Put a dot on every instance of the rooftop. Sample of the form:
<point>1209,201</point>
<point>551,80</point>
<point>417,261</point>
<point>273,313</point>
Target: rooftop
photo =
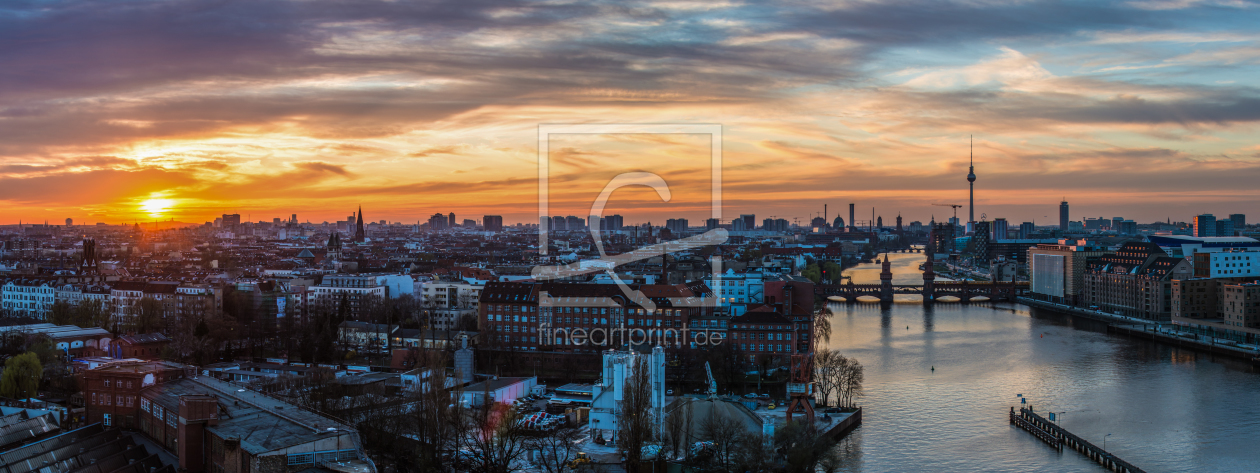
<point>263,424</point>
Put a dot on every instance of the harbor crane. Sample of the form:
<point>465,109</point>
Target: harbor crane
<point>712,384</point>
<point>955,206</point>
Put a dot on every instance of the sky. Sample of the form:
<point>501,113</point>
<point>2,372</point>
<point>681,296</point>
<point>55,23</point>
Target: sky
<point>186,110</point>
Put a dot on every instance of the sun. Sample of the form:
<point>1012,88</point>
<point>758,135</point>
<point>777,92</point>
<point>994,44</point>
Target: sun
<point>156,207</point>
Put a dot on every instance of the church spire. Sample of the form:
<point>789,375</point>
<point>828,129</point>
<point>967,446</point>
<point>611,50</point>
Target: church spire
<point>358,229</point>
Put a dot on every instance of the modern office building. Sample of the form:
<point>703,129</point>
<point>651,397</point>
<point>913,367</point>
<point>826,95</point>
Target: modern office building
<point>1026,229</point>
<point>1205,226</point>
<point>1063,216</point>
<point>1000,227</point>
<point>492,223</point>
<point>1239,221</point>
<point>1056,270</point>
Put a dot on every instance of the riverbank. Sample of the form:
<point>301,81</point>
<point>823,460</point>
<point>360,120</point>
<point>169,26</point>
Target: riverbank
<point>1164,332</point>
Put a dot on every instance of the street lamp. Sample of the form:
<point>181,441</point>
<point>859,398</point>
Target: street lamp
<point>1105,443</point>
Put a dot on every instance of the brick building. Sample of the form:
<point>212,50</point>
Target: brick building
<point>1135,281</point>
<point>111,391</point>
<point>528,316</point>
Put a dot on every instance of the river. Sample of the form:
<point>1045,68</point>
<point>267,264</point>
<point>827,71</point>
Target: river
<point>1167,409</point>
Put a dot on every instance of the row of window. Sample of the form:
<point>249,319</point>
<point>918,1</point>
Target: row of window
<point>105,399</point>
<point>111,383</point>
<point>762,347</point>
<point>762,336</point>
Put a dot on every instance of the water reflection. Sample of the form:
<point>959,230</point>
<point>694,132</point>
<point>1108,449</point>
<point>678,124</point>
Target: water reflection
<point>1168,409</point>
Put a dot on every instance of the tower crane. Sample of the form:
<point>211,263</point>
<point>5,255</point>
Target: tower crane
<point>712,384</point>
<point>955,206</point>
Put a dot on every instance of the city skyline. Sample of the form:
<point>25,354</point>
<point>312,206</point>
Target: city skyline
<point>152,111</point>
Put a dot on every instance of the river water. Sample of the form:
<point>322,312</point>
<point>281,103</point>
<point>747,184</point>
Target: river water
<point>1167,409</point>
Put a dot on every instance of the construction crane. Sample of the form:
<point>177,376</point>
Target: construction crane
<point>955,206</point>
<point>712,384</point>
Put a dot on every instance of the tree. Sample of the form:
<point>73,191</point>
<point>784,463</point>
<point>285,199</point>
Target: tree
<point>725,433</point>
<point>634,417</point>
<point>821,330</point>
<point>802,446</point>
<point>824,364</point>
<point>62,313</point>
<point>146,315</point>
<point>556,448</point>
<point>812,272</point>
<point>21,376</point>
<point>849,381</point>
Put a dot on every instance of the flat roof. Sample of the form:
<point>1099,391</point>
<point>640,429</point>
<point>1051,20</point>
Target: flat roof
<point>263,424</point>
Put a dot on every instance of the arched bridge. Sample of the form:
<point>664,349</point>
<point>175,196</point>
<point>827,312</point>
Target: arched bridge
<point>931,289</point>
<point>963,290</point>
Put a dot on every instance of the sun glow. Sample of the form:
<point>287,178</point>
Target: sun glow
<point>156,208</point>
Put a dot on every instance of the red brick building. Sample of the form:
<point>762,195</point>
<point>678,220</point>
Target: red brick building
<point>764,331</point>
<point>111,391</point>
<point>146,346</point>
<point>546,316</point>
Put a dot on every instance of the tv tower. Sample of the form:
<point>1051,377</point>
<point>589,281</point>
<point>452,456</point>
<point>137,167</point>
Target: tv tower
<point>971,182</point>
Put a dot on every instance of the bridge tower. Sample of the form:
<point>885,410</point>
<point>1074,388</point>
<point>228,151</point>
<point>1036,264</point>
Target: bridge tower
<point>929,277</point>
<point>885,281</point>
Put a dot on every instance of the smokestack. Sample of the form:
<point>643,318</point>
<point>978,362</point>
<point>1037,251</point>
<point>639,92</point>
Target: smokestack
<point>851,224</point>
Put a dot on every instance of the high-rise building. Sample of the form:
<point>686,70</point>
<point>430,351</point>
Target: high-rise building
<point>1224,228</point>
<point>676,225</point>
<point>293,219</point>
<point>750,221</point>
<point>1000,228</point>
<point>879,222</point>
<point>437,222</point>
<point>1063,216</point>
<point>613,223</point>
<point>594,222</point>
<point>492,223</point>
<point>1239,221</point>
<point>450,220</point>
<point>980,242</point>
<point>852,223</point>
<point>1125,227</point>
<point>558,225</point>
<point>231,220</point>
<point>1205,225</point>
<point>711,224</point>
<point>574,224</point>
<point>1026,230</point>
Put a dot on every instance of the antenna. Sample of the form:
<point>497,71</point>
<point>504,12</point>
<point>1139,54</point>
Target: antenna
<point>973,150</point>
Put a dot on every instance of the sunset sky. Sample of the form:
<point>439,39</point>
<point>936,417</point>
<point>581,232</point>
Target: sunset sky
<point>126,110</point>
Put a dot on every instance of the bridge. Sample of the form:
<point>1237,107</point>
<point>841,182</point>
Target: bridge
<point>931,290</point>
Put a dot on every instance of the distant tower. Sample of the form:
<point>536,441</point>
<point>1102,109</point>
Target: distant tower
<point>1063,216</point>
<point>898,222</point>
<point>971,183</point>
<point>88,265</point>
<point>852,222</point>
<point>929,276</point>
<point>358,227</point>
<point>334,247</point>
<point>879,222</point>
<point>450,223</point>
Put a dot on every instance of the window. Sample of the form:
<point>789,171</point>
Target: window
<point>107,382</point>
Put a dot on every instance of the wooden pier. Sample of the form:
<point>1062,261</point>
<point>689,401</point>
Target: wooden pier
<point>1058,438</point>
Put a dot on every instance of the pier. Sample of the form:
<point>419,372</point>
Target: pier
<point>1058,438</point>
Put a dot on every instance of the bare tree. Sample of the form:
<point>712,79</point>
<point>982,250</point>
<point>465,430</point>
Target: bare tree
<point>849,383</point>
<point>824,366</point>
<point>821,330</point>
<point>556,448</point>
<point>494,437</point>
<point>634,414</point>
<point>725,434</point>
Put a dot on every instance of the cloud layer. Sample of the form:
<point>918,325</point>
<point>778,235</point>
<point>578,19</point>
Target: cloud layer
<point>1133,109</point>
